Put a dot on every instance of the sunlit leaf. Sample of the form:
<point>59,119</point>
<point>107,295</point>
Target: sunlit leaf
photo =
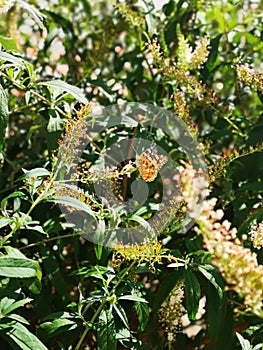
<point>18,335</point>
<point>3,114</point>
<point>35,14</point>
<point>62,87</point>
<point>8,43</point>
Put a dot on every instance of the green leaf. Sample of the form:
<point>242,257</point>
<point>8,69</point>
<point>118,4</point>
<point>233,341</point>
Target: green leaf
<point>17,334</point>
<point>16,194</point>
<point>14,253</point>
<point>19,267</point>
<point>34,285</point>
<point>258,347</point>
<point>212,274</point>
<point>5,221</point>
<point>18,318</point>
<point>74,203</point>
<point>255,217</point>
<point>100,84</point>
<point>62,86</point>
<point>245,344</point>
<point>3,115</point>
<point>127,339</point>
<point>121,313</point>
<point>55,123</point>
<point>213,52</point>
<point>55,275</point>
<point>8,43</point>
<point>17,61</point>
<point>49,330</point>
<point>106,332</point>
<point>193,293</point>
<point>150,15</point>
<point>88,302</point>
<point>37,172</point>
<point>140,220</point>
<point>142,310</point>
<point>100,232</point>
<point>8,305</point>
<point>132,298</point>
<point>35,14</point>
<point>96,271</point>
<point>5,303</point>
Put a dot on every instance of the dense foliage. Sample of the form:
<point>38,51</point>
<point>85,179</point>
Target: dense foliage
<point>201,61</point>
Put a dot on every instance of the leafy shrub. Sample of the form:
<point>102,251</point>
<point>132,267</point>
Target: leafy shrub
<point>201,62</point>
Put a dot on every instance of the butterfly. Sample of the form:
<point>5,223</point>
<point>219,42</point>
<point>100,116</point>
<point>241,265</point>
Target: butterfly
<point>149,163</point>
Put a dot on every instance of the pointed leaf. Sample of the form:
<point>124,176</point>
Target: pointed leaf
<point>37,172</point>
<point>8,43</point>
<point>49,330</point>
<point>72,202</point>
<point>106,331</point>
<point>19,268</point>
<point>243,342</point>
<point>193,293</point>
<point>133,298</point>
<point>142,310</point>
<point>15,305</point>
<point>18,335</point>
<point>5,221</point>
<point>62,86</point>
<point>121,313</point>
<point>35,14</point>
<point>3,115</point>
<point>17,61</point>
<point>211,274</point>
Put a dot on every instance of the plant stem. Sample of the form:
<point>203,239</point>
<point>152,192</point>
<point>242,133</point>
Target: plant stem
<point>100,308</point>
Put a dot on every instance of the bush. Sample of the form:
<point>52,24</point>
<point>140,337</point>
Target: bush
<point>131,175</point>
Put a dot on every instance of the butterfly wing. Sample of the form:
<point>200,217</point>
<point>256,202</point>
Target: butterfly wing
<point>149,163</point>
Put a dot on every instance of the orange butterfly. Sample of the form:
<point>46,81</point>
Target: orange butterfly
<point>149,163</point>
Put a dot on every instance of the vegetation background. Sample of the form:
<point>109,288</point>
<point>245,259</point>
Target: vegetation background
<point>201,60</point>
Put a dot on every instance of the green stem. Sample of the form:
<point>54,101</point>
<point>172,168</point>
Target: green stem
<point>100,308</point>
<point>49,240</point>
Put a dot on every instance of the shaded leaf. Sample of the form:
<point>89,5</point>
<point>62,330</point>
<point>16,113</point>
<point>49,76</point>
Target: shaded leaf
<point>16,265</point>
<point>214,44</point>
<point>121,313</point>
<point>142,310</point>
<point>51,329</point>
<point>127,339</point>
<point>55,275</point>
<point>106,331</point>
<point>193,293</point>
